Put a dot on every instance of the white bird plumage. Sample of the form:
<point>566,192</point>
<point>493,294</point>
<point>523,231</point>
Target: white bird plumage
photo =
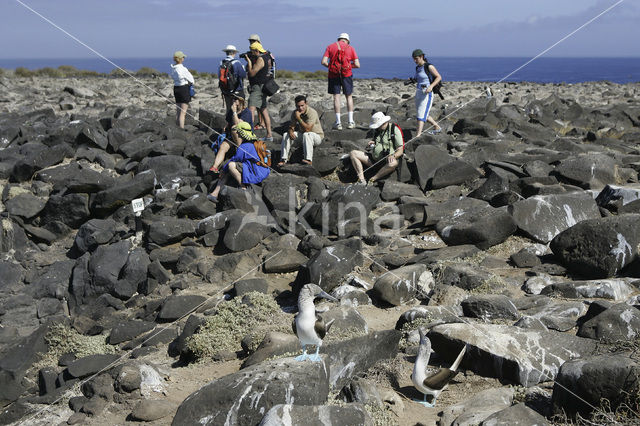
<point>434,383</point>
<point>307,325</point>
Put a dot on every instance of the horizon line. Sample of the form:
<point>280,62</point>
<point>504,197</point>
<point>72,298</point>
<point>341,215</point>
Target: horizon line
<point>295,56</point>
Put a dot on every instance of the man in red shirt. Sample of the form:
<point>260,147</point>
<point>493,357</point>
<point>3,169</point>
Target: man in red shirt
<point>340,57</point>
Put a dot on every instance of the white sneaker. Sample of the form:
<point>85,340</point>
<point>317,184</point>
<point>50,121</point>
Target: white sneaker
<point>337,126</point>
<point>351,125</point>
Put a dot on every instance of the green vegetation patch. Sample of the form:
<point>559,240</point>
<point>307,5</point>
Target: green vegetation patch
<point>63,339</point>
<point>255,314</point>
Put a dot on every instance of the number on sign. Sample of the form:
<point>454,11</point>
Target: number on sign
<point>137,205</point>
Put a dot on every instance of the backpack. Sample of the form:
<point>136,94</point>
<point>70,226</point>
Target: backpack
<point>393,134</point>
<point>438,86</point>
<point>272,65</point>
<point>339,65</point>
<point>227,80</point>
<point>393,138</point>
<point>264,154</point>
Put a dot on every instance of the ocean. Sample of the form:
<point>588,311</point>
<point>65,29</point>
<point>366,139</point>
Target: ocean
<point>542,70</point>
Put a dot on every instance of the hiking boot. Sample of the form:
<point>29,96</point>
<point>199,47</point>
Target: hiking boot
<point>337,126</point>
<point>351,125</point>
<point>268,139</point>
<point>434,132</point>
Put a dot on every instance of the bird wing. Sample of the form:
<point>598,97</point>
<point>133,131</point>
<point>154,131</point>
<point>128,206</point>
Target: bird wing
<point>440,379</point>
<point>320,327</point>
<point>293,325</point>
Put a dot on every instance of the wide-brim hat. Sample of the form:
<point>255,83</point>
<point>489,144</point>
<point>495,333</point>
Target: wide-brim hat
<point>230,48</point>
<point>344,36</point>
<point>245,132</point>
<point>378,119</point>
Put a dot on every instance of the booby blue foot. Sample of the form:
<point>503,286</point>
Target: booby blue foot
<point>304,355</point>
<point>425,403</point>
<point>315,358</point>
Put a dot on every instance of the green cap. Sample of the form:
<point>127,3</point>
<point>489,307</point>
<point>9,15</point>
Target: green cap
<point>417,52</point>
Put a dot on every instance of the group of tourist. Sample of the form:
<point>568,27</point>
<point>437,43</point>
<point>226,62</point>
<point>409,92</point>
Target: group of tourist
<point>305,128</point>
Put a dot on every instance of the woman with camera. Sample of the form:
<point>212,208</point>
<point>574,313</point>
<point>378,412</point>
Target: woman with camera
<point>258,66</point>
<point>427,78</point>
<point>182,80</point>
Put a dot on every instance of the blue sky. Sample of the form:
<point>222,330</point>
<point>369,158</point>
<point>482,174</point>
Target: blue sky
<point>155,28</point>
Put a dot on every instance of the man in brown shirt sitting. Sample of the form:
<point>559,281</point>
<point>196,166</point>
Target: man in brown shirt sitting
<point>309,131</point>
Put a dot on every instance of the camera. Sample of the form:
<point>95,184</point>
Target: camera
<point>245,55</point>
<point>410,81</point>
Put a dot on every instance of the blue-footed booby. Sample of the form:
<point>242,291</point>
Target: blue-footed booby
<point>307,324</point>
<point>434,383</point>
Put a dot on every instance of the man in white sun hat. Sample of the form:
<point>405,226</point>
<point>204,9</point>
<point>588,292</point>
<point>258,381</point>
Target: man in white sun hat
<point>387,147</point>
<point>340,57</point>
<point>230,75</point>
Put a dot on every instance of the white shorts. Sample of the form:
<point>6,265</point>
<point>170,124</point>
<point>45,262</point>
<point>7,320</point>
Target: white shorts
<point>423,104</point>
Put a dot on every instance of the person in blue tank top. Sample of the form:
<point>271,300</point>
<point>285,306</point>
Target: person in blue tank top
<point>424,91</point>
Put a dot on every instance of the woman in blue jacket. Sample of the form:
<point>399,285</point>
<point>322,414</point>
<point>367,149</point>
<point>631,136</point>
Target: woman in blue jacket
<point>243,166</point>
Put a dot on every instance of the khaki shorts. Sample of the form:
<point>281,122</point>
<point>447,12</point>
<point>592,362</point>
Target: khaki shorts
<point>256,97</point>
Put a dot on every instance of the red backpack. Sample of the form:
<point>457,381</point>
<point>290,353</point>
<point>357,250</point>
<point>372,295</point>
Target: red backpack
<point>340,64</point>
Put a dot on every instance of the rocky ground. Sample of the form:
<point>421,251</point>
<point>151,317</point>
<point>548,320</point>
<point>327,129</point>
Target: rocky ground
<point>515,232</point>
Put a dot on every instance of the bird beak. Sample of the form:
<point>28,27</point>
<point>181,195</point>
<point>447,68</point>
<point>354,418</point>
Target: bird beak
<point>327,296</point>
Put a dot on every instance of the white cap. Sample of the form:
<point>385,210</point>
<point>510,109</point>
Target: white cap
<point>344,36</point>
<point>255,37</point>
<point>229,48</point>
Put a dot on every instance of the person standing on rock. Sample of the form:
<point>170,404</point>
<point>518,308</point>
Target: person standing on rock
<point>427,79</point>
<point>387,147</point>
<point>258,69</point>
<point>304,128</point>
<point>340,57</point>
<point>234,75</point>
<point>182,79</point>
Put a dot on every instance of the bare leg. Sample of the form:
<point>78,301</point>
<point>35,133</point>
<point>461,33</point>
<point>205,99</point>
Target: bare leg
<point>221,182</point>
<point>349,103</point>
<point>222,151</point>
<point>233,170</point>
<point>253,114</point>
<point>267,121</point>
<point>358,158</point>
<point>433,123</point>
<point>385,170</point>
<point>336,103</point>
<point>181,114</point>
<point>420,127</point>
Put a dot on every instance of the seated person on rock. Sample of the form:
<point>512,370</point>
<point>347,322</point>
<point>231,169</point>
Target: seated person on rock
<point>383,151</point>
<point>236,114</point>
<point>309,131</point>
<point>243,166</point>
